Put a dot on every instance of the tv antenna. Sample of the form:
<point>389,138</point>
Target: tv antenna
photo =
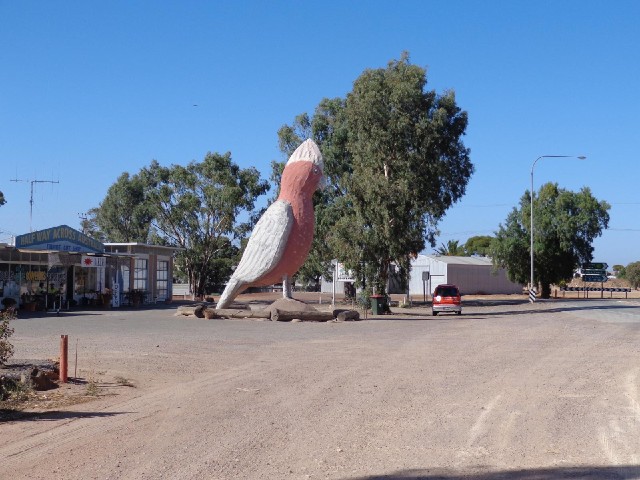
<point>32,182</point>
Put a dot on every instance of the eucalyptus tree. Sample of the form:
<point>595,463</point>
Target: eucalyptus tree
<point>478,245</point>
<point>395,162</point>
<point>203,207</point>
<point>632,274</point>
<point>124,215</point>
<point>565,225</point>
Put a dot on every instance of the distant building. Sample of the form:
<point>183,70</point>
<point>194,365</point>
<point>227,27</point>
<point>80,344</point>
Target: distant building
<point>472,275</point>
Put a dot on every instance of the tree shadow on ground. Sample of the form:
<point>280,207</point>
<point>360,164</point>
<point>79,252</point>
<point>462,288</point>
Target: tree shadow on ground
<point>553,473</point>
<point>478,315</point>
<point>559,309</point>
<point>18,416</point>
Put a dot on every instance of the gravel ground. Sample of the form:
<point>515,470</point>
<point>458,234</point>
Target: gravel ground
<point>508,390</point>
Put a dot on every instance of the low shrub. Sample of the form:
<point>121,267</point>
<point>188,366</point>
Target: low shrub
<point>6,348</point>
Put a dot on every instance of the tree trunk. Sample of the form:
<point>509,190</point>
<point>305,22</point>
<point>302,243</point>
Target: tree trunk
<point>309,316</point>
<point>545,290</point>
<point>192,282</point>
<point>187,310</point>
<point>383,276</point>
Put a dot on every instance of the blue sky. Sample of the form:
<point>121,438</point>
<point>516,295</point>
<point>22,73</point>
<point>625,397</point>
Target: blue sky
<point>89,90</point>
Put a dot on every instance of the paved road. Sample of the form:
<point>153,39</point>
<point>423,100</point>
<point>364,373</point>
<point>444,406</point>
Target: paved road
<point>508,390</point>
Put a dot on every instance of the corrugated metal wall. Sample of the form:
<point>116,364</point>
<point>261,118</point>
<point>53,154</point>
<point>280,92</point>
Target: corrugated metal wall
<point>479,279</point>
<point>470,278</point>
<point>437,272</point>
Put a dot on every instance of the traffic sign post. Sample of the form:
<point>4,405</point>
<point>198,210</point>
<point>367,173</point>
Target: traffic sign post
<point>595,266</point>
<point>594,278</point>
<point>426,276</point>
<point>594,272</point>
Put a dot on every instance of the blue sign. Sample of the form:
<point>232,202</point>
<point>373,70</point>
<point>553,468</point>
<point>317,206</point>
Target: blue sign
<point>59,239</point>
<point>595,266</point>
<point>594,278</point>
<point>593,271</point>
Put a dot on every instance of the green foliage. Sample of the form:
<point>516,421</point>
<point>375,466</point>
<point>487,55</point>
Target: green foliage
<point>618,271</point>
<point>409,165</point>
<point>632,274</point>
<point>478,245</point>
<point>125,213</point>
<point>565,225</point>
<point>394,162</point>
<point>6,348</point>
<point>2,199</point>
<point>197,207</point>
<point>221,265</point>
<point>89,225</point>
<point>452,248</point>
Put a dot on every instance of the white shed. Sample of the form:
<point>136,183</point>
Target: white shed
<point>472,275</point>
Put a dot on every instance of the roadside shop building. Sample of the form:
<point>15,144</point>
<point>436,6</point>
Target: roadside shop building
<point>61,267</point>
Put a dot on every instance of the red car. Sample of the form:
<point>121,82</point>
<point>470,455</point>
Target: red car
<point>446,298</point>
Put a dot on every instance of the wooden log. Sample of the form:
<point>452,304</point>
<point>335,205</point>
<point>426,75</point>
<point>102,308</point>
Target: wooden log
<point>209,313</point>
<point>306,316</point>
<point>346,315</point>
<point>187,310</point>
<point>239,313</point>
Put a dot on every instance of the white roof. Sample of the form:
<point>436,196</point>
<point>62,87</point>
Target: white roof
<point>138,244</point>
<point>451,260</point>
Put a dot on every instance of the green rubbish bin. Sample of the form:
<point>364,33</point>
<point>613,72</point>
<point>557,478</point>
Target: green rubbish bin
<point>378,304</point>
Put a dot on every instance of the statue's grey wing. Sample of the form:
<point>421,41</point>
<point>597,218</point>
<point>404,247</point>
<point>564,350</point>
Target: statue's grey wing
<point>266,243</point>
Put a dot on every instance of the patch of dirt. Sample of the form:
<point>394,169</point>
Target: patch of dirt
<point>34,403</point>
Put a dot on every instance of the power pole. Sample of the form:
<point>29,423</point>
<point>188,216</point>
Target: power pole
<point>83,219</point>
<point>32,182</point>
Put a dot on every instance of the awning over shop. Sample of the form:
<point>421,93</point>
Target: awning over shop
<point>59,239</point>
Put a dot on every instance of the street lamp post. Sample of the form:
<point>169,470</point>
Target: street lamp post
<point>532,297</point>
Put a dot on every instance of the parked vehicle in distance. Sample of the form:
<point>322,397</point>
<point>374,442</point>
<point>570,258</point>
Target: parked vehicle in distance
<point>446,298</point>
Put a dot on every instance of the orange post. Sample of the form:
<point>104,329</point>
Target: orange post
<point>64,363</point>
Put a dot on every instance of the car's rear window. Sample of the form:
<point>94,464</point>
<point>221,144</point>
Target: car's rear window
<point>447,292</point>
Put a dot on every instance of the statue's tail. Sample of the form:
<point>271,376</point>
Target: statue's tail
<point>233,288</point>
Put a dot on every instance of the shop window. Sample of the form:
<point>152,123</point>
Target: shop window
<point>140,274</point>
<point>162,279</point>
<point>86,280</point>
<point>126,280</point>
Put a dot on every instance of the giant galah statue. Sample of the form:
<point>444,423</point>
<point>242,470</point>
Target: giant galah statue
<point>281,240</point>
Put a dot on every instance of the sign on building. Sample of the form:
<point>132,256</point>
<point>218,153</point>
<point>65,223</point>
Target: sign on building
<point>89,261</point>
<point>61,239</point>
<point>342,274</point>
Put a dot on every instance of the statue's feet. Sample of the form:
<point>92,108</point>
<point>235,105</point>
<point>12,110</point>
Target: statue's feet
<point>286,288</point>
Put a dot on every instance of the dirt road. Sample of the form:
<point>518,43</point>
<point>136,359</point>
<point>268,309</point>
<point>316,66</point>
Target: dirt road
<point>507,391</point>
